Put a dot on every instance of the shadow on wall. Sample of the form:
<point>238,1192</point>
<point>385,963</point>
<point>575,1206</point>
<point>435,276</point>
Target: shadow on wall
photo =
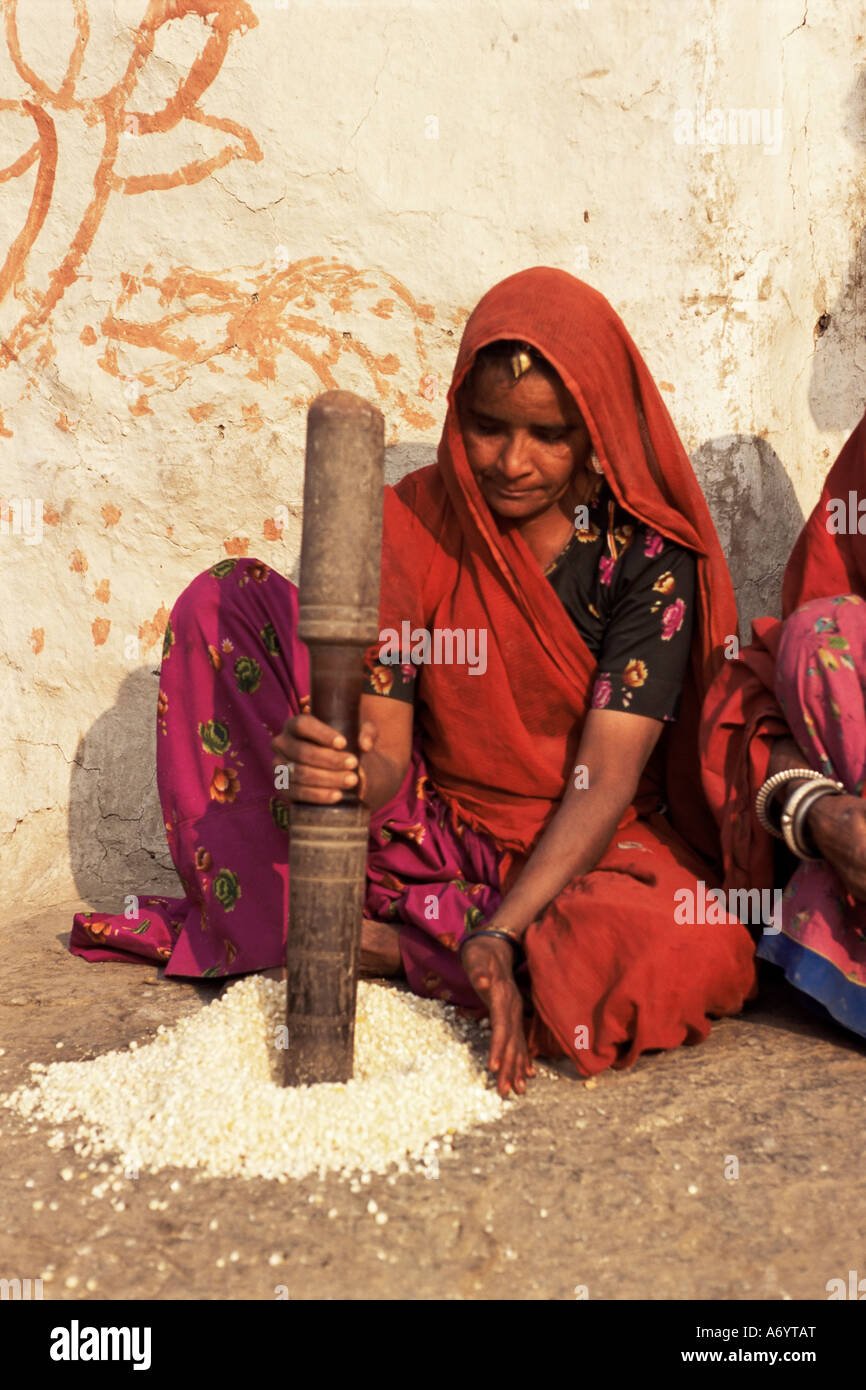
<point>837,388</point>
<point>117,839</point>
<point>757,517</point>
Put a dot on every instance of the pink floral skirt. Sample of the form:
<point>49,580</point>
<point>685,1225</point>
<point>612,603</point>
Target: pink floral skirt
<point>233,671</point>
<point>821,686</point>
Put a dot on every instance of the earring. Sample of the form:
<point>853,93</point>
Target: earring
<point>594,463</point>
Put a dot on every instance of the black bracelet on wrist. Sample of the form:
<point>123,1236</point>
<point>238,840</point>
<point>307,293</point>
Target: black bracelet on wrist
<point>514,941</point>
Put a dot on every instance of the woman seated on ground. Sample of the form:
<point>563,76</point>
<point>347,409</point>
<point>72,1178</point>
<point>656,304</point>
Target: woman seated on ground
<point>536,810</point>
<point>794,701</point>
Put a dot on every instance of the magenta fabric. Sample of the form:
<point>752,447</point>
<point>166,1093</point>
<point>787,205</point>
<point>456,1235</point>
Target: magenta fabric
<point>821,687</point>
<point>233,671</point>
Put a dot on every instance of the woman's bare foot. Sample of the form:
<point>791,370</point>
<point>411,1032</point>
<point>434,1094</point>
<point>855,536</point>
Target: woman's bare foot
<point>380,952</point>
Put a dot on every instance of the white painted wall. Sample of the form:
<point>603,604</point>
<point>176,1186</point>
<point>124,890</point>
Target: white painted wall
<point>197,241</point>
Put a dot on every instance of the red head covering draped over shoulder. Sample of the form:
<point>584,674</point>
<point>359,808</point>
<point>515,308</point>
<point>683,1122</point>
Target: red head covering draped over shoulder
<point>742,716</point>
<point>500,745</point>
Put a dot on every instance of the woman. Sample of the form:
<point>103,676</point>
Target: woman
<point>533,820</point>
<point>794,701</point>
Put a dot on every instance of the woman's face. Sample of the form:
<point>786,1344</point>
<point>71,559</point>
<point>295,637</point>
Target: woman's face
<point>526,441</point>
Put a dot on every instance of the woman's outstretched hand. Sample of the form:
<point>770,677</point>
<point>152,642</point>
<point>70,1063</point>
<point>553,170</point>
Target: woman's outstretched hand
<point>321,768</point>
<point>488,962</point>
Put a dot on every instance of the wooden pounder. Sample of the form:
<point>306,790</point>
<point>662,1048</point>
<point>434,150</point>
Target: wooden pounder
<point>341,546</point>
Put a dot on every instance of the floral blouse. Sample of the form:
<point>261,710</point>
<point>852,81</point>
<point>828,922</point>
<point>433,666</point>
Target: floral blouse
<point>629,593</point>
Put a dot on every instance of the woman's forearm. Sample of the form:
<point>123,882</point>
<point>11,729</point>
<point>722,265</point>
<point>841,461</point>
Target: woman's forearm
<point>828,818</point>
<point>381,779</point>
<point>572,844</point>
<point>612,754</point>
<point>786,753</point>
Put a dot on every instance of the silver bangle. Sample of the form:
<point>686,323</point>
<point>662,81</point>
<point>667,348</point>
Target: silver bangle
<point>772,784</point>
<point>797,809</point>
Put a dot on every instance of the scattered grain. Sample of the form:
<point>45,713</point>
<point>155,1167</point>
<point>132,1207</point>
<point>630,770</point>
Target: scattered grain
<point>206,1094</point>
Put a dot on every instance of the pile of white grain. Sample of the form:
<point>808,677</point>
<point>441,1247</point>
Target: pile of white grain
<point>206,1094</point>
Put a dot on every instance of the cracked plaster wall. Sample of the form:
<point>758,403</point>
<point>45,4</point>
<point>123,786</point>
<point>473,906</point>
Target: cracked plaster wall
<point>212,210</point>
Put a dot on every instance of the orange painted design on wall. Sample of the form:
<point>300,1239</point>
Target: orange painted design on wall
<point>197,316</point>
<point>152,630</point>
<point>182,317</point>
<point>271,317</point>
<point>37,639</point>
<point>111,110</point>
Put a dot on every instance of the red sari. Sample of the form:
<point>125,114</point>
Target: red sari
<point>611,973</point>
<point>606,955</point>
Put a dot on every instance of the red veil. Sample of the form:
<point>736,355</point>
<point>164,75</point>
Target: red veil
<point>499,746</point>
<point>742,716</point>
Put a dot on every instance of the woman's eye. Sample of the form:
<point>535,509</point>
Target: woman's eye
<point>488,427</point>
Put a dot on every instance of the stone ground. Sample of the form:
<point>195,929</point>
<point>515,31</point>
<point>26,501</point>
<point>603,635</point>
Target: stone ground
<point>630,1171</point>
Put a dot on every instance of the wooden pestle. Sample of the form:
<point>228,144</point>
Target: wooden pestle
<point>341,546</point>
